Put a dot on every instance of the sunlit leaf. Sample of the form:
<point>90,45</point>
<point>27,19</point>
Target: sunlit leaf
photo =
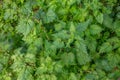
<point>25,26</point>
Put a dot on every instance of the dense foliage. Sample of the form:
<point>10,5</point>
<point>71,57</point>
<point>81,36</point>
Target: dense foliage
<point>59,39</point>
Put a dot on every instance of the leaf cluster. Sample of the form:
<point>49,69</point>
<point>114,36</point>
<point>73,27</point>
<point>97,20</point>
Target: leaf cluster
<point>59,39</point>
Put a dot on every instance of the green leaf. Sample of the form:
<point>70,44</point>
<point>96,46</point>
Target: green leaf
<point>25,26</point>
<point>53,77</point>
<point>40,70</point>
<point>118,32</point>
<point>38,42</point>
<point>68,59</point>
<point>116,24</point>
<point>118,8</point>
<point>99,18</point>
<point>103,64</point>
<point>60,26</point>
<point>114,59</point>
<point>59,39</point>
<point>105,47</point>
<point>115,42</point>
<point>24,74</point>
<point>82,58</point>
<point>9,14</point>
<point>83,26</point>
<point>101,73</point>
<point>22,1</point>
<point>7,77</point>
<point>30,58</point>
<point>60,35</point>
<point>58,43</point>
<point>92,44</point>
<point>108,21</point>
<point>91,76</point>
<point>50,16</point>
<point>117,27</point>
<point>72,27</point>
<point>82,55</point>
<point>95,29</point>
<point>70,2</point>
<point>1,68</point>
<point>58,67</point>
<point>72,76</point>
<point>118,15</point>
<point>62,11</point>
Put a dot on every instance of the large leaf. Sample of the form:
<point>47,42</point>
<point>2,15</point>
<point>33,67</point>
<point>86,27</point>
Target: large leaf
<point>9,14</point>
<point>82,55</point>
<point>59,26</point>
<point>114,59</point>
<point>117,27</point>
<point>105,47</point>
<point>95,29</point>
<point>107,22</point>
<point>24,74</point>
<point>72,76</point>
<point>25,26</point>
<point>83,25</point>
<point>68,59</point>
<point>91,44</point>
<point>99,18</point>
<point>50,16</point>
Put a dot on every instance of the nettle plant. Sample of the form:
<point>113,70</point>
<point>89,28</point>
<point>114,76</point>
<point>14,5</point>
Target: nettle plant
<point>59,39</point>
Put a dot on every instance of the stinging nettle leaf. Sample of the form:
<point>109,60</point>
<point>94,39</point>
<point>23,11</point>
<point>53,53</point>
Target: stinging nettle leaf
<point>95,29</point>
<point>24,74</point>
<point>25,26</point>
<point>59,26</point>
<point>72,27</point>
<point>105,47</point>
<point>118,15</point>
<point>1,68</point>
<point>117,27</point>
<point>114,59</point>
<point>50,16</point>
<point>83,26</point>
<point>116,24</point>
<point>59,39</point>
<point>108,21</point>
<point>68,58</point>
<point>99,18</point>
<point>91,44</point>
<point>82,58</point>
<point>82,55</point>
<point>73,76</point>
<point>9,14</point>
